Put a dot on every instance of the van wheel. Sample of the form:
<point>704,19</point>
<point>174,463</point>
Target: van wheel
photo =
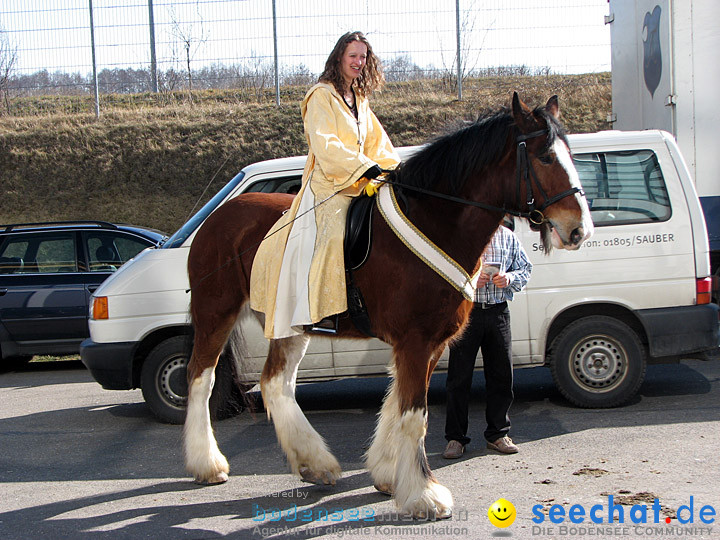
<point>163,381</point>
<point>598,361</point>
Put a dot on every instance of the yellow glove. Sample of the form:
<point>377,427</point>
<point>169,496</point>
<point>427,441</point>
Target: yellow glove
<point>371,188</point>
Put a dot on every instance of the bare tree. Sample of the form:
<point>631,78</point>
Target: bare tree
<point>467,63</point>
<point>402,68</point>
<point>8,60</point>
<point>186,34</point>
<point>299,75</point>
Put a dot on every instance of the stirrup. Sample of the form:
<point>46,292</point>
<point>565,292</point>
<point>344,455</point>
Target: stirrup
<point>328,325</point>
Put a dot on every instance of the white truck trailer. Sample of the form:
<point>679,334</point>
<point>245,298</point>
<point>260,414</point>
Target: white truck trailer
<point>666,75</point>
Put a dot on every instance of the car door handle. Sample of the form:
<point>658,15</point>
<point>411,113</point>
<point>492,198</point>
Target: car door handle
<point>3,291</point>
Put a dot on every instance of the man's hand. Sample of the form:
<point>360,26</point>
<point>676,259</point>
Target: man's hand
<point>500,280</point>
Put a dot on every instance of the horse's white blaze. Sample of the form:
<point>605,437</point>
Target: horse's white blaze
<point>563,157</point>
<point>382,455</point>
<point>302,445</point>
<point>415,493</point>
<point>203,458</point>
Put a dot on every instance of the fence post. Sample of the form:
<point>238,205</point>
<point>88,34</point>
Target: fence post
<point>153,57</point>
<point>459,57</point>
<point>275,48</point>
<point>94,64</point>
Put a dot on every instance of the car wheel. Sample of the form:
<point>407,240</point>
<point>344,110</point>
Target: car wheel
<point>164,383</point>
<point>598,361</point>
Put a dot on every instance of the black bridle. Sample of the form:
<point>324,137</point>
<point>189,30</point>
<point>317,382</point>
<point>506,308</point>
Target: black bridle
<point>523,171</point>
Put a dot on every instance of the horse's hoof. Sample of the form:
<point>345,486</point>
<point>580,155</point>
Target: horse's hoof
<point>219,478</point>
<point>385,489</point>
<point>325,478</point>
<point>435,502</point>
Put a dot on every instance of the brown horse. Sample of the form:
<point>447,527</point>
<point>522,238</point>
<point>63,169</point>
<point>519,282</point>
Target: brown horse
<point>515,161</point>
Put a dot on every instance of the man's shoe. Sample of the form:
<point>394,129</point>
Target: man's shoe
<point>504,445</point>
<point>453,450</point>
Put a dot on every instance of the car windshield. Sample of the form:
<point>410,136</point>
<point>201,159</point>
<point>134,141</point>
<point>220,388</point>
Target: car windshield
<point>177,239</point>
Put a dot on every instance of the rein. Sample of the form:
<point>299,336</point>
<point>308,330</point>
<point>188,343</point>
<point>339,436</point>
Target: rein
<point>523,170</point>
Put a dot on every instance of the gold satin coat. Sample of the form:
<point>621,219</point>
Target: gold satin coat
<point>298,275</point>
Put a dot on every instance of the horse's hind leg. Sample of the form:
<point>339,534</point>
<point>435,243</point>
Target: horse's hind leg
<point>306,451</point>
<point>415,489</point>
<point>203,458</point>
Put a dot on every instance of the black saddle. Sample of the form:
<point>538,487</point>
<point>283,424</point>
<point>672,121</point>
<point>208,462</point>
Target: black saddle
<point>358,240</point>
<point>358,232</point>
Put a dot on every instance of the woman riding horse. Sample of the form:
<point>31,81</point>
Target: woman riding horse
<point>298,277</point>
<point>456,191</point>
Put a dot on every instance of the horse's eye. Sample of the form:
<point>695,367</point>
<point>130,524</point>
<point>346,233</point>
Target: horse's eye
<point>546,159</point>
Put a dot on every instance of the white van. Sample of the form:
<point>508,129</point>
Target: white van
<point>638,291</point>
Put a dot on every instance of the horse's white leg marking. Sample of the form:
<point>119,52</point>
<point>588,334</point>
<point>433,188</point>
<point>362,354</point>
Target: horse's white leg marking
<point>416,491</point>
<point>306,451</point>
<point>203,459</point>
<point>380,458</point>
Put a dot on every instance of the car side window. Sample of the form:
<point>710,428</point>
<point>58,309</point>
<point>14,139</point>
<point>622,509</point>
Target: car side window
<point>39,253</point>
<point>623,187</point>
<point>53,254</point>
<point>108,251</point>
<point>12,257</point>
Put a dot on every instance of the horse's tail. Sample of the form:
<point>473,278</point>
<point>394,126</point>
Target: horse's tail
<point>230,394</point>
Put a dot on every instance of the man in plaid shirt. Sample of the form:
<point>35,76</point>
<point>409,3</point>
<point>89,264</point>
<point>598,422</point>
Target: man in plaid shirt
<point>506,270</point>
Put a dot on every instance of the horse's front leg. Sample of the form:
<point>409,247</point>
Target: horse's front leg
<point>306,451</point>
<point>416,490</point>
<point>381,457</point>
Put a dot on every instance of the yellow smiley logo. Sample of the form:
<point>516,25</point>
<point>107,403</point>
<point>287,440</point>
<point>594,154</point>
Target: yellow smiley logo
<point>501,513</point>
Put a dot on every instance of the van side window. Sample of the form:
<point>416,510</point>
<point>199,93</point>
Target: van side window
<point>285,184</point>
<point>623,187</point>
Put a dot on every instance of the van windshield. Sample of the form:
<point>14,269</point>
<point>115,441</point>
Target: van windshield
<point>177,239</point>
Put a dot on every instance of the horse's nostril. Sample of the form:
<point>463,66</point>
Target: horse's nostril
<point>576,236</point>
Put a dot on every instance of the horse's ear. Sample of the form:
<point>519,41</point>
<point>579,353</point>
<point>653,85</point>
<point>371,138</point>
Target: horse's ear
<point>521,114</point>
<point>553,107</point>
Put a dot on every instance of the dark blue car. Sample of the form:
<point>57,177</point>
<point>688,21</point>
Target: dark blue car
<point>48,272</point>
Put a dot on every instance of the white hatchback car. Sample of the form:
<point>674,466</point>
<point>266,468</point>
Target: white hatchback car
<point>637,291</point>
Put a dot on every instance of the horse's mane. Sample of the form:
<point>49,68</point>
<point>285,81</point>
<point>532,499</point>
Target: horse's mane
<point>465,150</point>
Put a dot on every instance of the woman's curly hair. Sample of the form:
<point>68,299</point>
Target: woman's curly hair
<point>371,77</point>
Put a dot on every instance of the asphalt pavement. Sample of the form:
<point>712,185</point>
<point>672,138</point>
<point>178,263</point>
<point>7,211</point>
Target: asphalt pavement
<point>77,462</point>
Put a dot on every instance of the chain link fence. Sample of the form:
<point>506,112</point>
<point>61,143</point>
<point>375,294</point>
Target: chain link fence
<point>77,47</point>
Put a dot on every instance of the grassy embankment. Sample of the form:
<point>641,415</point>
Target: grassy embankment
<point>148,158</point>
